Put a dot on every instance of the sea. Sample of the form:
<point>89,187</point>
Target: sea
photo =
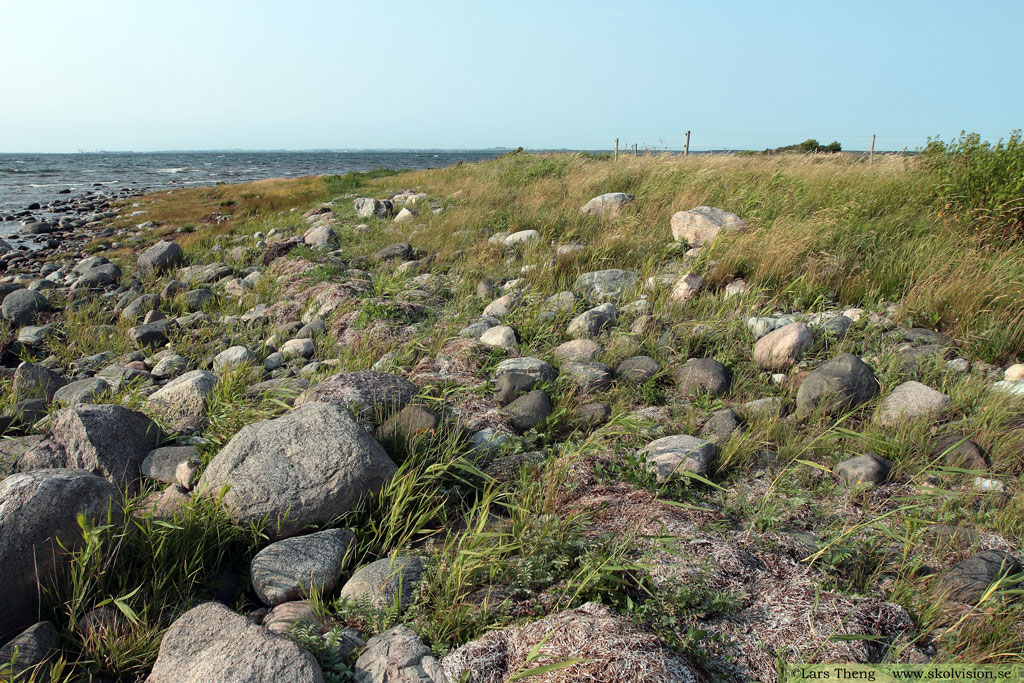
<point>29,178</point>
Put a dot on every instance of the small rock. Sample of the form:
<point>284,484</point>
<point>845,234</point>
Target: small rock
<point>590,323</point>
<point>778,350</point>
<point>702,375</point>
<point>637,369</point>
<point>589,377</point>
<point>500,335</point>
<point>386,583</point>
<point>909,401</point>
<point>290,569</point>
<point>608,205</point>
<point>686,286</point>
<point>681,452</point>
<point>578,350</point>
<point>231,358</point>
<point>863,469</point>
<point>529,410</point>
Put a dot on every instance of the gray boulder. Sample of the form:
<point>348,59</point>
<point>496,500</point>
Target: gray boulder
<point>367,207</point>
<point>152,334</point>
<point>22,306</point>
<point>398,656</point>
<point>590,323</point>
<point>160,257</point>
<point>681,452</point>
<point>139,306</point>
<point>608,205</point>
<point>529,410</point>
<point>702,375</point>
<point>837,385</point>
<point>31,649</point>
<point>34,379</point>
<point>863,469</point>
<point>386,583</point>
<point>527,365</point>
<point>375,394</point>
<point>970,579</point>
<point>107,440</point>
<point>182,401</point>
<point>81,391</point>
<point>589,377</point>
<point>232,357</point>
<point>511,385</point>
<point>606,285</point>
<point>97,277</point>
<point>721,425</point>
<point>637,369</point>
<point>778,350</point>
<point>212,644</point>
<point>289,569</point>
<point>319,236</point>
<point>36,509</point>
<point>306,467</point>
<point>162,463</point>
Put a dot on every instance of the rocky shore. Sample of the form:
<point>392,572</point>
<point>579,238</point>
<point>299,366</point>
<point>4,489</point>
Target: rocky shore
<point>695,485</point>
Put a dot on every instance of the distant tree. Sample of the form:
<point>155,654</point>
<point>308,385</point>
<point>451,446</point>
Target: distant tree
<point>809,145</point>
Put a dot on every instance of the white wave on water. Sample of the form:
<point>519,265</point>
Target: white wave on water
<point>171,170</point>
<point>52,185</point>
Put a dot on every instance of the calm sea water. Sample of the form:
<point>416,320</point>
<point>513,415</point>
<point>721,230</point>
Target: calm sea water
<point>29,178</point>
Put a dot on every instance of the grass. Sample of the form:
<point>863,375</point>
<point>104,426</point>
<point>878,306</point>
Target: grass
<point>826,232</point>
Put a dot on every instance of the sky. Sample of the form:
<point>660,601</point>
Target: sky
<point>320,74</point>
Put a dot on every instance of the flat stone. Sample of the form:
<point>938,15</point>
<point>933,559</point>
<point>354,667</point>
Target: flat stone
<point>686,287</point>
<point>82,391</point>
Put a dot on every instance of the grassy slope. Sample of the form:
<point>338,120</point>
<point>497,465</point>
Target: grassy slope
<point>826,232</point>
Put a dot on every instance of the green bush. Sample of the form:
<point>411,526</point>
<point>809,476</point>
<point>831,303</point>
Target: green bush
<point>981,182</point>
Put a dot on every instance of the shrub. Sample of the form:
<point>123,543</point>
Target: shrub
<point>981,182</point>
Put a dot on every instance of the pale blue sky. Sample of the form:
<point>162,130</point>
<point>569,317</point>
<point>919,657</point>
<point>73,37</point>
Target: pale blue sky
<point>301,74</point>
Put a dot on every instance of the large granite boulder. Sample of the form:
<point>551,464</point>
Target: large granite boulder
<point>608,205</point>
<point>306,467</point>
<point>107,440</point>
<point>36,509</point>
<point>212,644</point>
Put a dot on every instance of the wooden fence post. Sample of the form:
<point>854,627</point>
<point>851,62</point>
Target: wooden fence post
<point>616,149</point>
<point>871,154</point>
<point>686,149</point>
